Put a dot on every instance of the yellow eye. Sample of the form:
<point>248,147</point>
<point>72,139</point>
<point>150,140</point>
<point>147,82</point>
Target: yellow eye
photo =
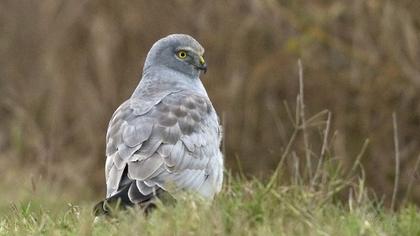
<point>182,54</point>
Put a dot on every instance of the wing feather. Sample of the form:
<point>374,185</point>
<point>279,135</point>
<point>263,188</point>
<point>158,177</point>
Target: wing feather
<point>169,143</point>
<point>144,189</point>
<point>137,132</point>
<point>141,170</point>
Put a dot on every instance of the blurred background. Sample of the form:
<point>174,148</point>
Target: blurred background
<point>65,66</point>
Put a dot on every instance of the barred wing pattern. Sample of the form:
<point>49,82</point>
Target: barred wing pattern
<point>170,144</point>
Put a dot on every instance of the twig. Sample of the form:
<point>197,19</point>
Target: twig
<point>240,169</point>
<point>297,177</point>
<point>323,148</point>
<point>289,114</point>
<point>358,158</point>
<point>303,120</point>
<point>397,161</point>
<point>413,176</point>
<point>283,157</point>
<point>316,116</point>
<point>327,130</point>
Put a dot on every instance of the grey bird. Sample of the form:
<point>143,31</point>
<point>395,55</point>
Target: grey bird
<point>165,139</point>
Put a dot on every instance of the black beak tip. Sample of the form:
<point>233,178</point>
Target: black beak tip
<point>202,68</point>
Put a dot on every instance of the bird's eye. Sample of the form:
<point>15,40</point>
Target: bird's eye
<point>182,54</point>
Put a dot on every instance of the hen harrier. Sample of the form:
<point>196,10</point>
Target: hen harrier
<point>165,139</point>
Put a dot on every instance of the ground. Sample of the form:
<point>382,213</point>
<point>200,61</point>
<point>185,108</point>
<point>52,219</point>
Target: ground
<point>245,207</point>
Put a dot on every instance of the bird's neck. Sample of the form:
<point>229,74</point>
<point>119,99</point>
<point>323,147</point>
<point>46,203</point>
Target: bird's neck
<point>158,79</point>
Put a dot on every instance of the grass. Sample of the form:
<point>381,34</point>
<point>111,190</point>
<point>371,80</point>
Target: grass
<point>307,194</point>
<point>243,208</point>
<point>361,59</point>
<point>328,200</point>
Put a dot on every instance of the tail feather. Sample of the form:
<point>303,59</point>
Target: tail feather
<point>128,195</point>
<point>119,200</point>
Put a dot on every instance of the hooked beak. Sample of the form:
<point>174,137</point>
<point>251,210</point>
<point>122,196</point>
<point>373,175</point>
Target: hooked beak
<point>202,64</point>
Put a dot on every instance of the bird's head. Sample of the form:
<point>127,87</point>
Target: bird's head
<point>179,52</point>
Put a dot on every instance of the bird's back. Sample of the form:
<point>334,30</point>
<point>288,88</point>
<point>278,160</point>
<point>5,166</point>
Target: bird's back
<point>172,145</point>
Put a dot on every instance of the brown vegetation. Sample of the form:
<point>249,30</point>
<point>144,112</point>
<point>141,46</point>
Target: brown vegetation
<point>66,65</point>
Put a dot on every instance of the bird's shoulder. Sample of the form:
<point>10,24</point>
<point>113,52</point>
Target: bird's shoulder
<point>177,116</point>
<point>177,135</point>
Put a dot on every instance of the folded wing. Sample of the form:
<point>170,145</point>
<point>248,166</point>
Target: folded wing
<point>172,145</point>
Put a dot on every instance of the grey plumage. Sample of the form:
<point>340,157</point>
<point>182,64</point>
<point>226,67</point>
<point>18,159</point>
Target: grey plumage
<point>166,136</point>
